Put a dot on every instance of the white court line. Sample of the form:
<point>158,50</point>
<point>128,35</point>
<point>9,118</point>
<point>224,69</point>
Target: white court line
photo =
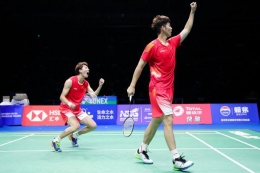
<point>199,133</point>
<point>112,149</point>
<point>238,140</point>
<point>37,135</point>
<point>16,140</point>
<point>239,164</point>
<point>108,134</point>
<point>100,133</point>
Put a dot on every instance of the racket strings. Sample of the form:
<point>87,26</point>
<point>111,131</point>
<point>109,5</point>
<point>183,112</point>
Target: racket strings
<point>128,126</point>
<point>128,123</point>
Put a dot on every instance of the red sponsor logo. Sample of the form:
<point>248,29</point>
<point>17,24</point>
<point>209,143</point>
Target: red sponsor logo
<point>41,116</point>
<point>192,114</point>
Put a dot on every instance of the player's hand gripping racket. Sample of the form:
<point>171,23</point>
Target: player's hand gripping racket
<point>128,125</point>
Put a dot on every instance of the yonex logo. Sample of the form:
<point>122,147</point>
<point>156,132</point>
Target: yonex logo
<point>36,115</point>
<point>178,111</point>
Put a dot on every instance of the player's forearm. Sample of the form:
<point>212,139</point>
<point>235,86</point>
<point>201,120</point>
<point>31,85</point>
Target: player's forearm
<point>190,21</point>
<point>136,76</point>
<point>64,99</point>
<point>98,90</point>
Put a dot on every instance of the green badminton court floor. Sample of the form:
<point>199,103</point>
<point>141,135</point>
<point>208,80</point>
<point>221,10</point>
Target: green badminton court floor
<point>213,151</point>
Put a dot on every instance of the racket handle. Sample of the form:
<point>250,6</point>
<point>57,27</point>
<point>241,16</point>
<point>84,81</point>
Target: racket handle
<point>130,98</point>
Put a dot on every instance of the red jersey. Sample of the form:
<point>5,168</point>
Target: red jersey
<point>162,60</point>
<point>76,93</point>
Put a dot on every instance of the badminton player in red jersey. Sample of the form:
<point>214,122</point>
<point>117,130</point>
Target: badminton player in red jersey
<point>71,97</point>
<point>160,54</point>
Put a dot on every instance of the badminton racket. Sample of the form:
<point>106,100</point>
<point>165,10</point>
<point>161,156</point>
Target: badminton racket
<point>128,125</point>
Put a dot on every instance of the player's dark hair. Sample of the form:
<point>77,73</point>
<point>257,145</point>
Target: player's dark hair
<point>158,22</point>
<point>79,67</point>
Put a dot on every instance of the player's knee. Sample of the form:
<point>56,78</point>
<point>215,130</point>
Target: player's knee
<point>93,126</point>
<point>75,127</point>
<point>158,120</point>
<point>168,120</point>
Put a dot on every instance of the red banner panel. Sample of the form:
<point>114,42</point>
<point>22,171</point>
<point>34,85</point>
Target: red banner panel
<point>192,114</point>
<point>42,116</point>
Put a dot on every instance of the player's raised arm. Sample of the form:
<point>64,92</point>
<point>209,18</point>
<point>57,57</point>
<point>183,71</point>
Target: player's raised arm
<point>101,82</point>
<point>186,30</point>
<point>91,92</point>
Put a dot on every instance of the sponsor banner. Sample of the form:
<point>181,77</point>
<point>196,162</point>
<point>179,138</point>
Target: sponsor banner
<point>192,114</point>
<point>183,114</point>
<point>1,121</point>
<point>11,114</point>
<point>101,114</point>
<point>100,100</point>
<point>42,116</point>
<point>142,114</point>
<point>235,113</point>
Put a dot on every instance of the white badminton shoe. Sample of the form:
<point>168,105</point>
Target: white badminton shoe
<point>181,164</point>
<point>143,156</point>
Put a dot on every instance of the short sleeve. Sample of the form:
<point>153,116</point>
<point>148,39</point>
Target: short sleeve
<point>175,41</point>
<point>147,53</point>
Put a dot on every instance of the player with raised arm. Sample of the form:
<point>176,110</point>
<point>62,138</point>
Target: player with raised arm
<point>160,54</point>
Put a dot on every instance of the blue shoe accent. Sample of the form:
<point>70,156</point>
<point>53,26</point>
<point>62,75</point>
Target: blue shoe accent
<point>182,169</point>
<point>74,141</point>
<point>56,146</point>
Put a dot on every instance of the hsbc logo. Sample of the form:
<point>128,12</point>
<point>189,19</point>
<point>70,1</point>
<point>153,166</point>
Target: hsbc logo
<point>37,115</point>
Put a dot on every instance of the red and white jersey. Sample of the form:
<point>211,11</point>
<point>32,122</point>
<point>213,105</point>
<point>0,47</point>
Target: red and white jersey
<point>162,61</point>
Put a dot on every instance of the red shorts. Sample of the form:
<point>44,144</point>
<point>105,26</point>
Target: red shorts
<point>161,102</point>
<point>76,112</point>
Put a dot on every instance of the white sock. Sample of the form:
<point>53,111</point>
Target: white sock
<point>175,154</point>
<point>143,147</point>
<point>75,134</point>
<point>57,139</point>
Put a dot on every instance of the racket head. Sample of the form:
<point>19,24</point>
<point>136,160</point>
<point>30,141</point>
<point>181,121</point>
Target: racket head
<point>128,126</point>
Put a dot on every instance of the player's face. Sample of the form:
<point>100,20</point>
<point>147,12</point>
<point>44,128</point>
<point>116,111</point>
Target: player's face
<point>84,71</point>
<point>168,30</point>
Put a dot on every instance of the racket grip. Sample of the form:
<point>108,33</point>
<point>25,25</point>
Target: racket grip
<point>130,98</point>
